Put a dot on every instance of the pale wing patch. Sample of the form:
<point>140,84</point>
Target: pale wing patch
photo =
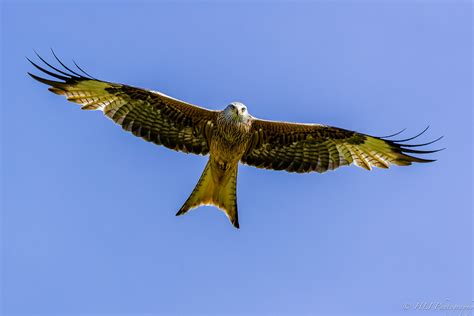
<point>91,94</point>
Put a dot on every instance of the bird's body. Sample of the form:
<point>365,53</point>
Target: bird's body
<point>217,185</point>
<point>230,136</point>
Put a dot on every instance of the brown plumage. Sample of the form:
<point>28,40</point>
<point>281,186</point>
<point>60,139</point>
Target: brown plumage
<point>229,136</point>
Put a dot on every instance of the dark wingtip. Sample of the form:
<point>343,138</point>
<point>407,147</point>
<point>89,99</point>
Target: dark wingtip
<point>428,160</point>
<point>414,151</point>
<point>407,149</point>
<point>82,70</point>
<point>67,75</point>
<point>52,67</point>
<point>66,67</point>
<point>411,138</point>
<point>388,136</point>
<point>29,60</point>
<point>52,74</point>
<point>43,80</point>
<point>424,144</point>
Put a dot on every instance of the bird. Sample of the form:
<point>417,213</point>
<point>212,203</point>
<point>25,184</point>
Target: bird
<point>230,136</point>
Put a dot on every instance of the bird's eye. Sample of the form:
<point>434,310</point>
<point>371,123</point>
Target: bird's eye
<point>243,110</point>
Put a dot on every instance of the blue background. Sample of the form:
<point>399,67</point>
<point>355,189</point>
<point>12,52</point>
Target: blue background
<point>88,223</point>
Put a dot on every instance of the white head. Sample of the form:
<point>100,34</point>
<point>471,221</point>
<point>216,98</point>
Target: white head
<point>237,111</point>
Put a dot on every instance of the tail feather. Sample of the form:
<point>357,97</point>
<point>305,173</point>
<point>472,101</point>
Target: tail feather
<point>218,188</point>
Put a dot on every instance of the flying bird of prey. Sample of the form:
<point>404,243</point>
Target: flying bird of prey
<point>229,136</point>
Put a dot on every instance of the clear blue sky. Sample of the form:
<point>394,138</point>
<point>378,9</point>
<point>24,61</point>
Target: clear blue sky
<point>88,211</point>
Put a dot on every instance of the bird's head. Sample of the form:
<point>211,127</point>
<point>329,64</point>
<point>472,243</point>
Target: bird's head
<point>237,111</point>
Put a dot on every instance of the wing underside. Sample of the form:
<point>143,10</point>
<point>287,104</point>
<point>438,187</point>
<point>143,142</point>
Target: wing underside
<point>310,147</point>
<point>150,115</point>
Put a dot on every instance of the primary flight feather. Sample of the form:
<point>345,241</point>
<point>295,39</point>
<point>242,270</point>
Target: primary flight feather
<point>229,136</point>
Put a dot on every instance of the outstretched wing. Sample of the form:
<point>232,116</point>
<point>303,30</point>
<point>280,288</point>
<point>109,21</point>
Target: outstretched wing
<point>311,147</point>
<point>150,115</point>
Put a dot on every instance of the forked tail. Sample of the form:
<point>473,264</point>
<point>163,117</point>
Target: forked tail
<point>215,187</point>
